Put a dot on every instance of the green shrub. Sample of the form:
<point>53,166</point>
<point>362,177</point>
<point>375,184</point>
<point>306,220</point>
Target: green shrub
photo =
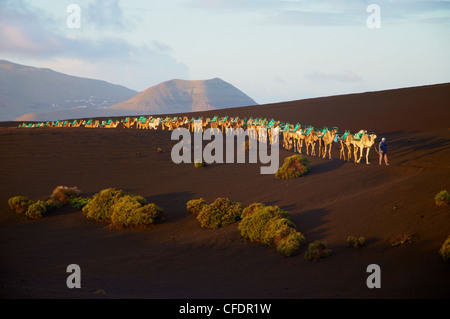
<point>133,211</point>
<point>122,209</point>
<point>272,226</point>
<point>290,244</point>
<point>255,225</point>
<point>317,250</point>
<point>194,206</point>
<point>251,209</point>
<point>78,202</point>
<point>353,241</point>
<point>402,240</point>
<point>442,198</point>
<point>293,167</point>
<point>37,210</point>
<point>199,164</point>
<point>19,204</point>
<point>52,205</point>
<point>444,251</point>
<point>220,213</point>
<point>100,207</point>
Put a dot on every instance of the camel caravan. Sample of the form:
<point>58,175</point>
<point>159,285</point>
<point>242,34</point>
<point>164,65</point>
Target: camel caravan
<point>298,138</point>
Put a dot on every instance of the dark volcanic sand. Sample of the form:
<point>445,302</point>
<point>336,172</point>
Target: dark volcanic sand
<point>179,259</point>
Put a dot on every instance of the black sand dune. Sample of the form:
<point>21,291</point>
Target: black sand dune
<point>179,259</point>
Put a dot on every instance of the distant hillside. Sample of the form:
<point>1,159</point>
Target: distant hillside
<point>181,96</point>
<point>25,89</point>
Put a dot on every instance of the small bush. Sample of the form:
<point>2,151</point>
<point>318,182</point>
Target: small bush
<point>19,204</point>
<point>442,198</point>
<point>353,241</point>
<point>251,209</point>
<point>444,251</point>
<point>272,226</point>
<point>403,239</point>
<point>199,164</point>
<point>255,225</point>
<point>293,167</point>
<point>100,207</point>
<point>52,205</point>
<point>121,209</point>
<point>133,211</point>
<point>78,202</point>
<point>37,210</point>
<point>222,212</point>
<point>63,193</point>
<point>290,244</point>
<point>194,206</point>
<point>317,250</point>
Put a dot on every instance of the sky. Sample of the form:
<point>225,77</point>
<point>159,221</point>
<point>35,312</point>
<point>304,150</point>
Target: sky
<point>273,50</point>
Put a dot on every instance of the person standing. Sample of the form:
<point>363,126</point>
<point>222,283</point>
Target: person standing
<point>383,151</point>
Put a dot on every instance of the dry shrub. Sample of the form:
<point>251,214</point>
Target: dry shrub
<point>355,242</point>
<point>195,206</point>
<point>36,210</point>
<point>317,250</point>
<point>442,198</point>
<point>222,212</point>
<point>122,210</point>
<point>63,193</point>
<point>293,167</point>
<point>444,251</point>
<point>272,226</point>
<point>402,240</point>
<point>132,211</point>
<point>99,208</point>
<point>19,204</point>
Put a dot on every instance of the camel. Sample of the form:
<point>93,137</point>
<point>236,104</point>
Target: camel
<point>129,123</point>
<point>328,139</point>
<point>346,142</point>
<point>142,122</point>
<point>154,124</point>
<point>214,123</point>
<point>112,124</point>
<point>311,139</point>
<point>290,137</point>
<point>175,123</point>
<point>366,142</point>
<point>92,124</point>
<point>192,126</point>
<point>320,134</point>
<point>301,135</point>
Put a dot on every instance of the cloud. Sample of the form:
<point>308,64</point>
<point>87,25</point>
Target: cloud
<point>352,12</point>
<point>107,14</point>
<point>306,18</point>
<point>235,5</point>
<point>346,77</point>
<point>28,33</point>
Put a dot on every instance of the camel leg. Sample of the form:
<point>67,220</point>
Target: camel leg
<point>367,156</point>
<point>360,153</point>
<point>342,153</point>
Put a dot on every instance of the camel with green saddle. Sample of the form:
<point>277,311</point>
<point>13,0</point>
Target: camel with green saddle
<point>327,139</point>
<point>346,143</point>
<point>362,142</point>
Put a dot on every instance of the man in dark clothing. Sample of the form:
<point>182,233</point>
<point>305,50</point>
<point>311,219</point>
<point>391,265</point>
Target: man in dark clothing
<point>383,151</point>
